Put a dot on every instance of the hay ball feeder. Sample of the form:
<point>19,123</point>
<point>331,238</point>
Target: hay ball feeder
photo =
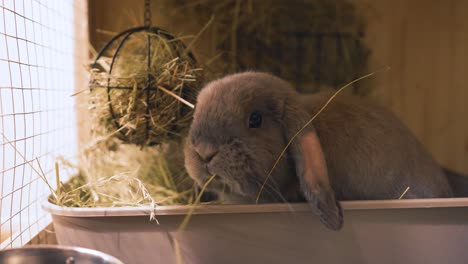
<point>141,84</point>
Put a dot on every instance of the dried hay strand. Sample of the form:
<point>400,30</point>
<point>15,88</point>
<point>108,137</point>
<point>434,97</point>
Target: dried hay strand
<point>147,105</point>
<point>324,106</point>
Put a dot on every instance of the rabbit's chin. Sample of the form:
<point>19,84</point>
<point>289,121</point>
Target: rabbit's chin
<point>232,198</point>
<point>224,187</point>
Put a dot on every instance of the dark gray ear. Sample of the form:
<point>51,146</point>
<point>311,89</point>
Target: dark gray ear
<point>311,168</point>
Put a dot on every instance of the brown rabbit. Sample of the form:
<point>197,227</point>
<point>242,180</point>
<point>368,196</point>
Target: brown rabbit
<point>353,150</point>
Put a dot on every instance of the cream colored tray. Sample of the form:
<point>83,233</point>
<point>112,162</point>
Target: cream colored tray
<point>391,231</point>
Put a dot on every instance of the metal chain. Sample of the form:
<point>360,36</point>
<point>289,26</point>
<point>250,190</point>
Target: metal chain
<point>147,13</point>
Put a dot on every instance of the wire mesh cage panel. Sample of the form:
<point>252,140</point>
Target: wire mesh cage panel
<point>37,118</point>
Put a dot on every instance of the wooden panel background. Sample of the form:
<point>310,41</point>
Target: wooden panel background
<point>425,42</point>
<point>426,45</point>
<point>82,30</point>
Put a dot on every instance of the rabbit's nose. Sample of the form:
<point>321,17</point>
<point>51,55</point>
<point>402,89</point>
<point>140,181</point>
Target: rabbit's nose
<point>206,151</point>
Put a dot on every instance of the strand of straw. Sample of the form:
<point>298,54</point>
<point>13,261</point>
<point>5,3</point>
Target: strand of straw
<point>189,46</point>
<point>184,223</point>
<point>187,218</point>
<point>403,194</point>
<point>57,177</point>
<point>176,97</point>
<point>39,173</point>
<point>309,122</point>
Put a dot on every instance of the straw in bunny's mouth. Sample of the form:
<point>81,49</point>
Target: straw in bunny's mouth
<point>220,184</point>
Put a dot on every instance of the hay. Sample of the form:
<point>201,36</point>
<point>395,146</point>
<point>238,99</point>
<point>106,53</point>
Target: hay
<point>135,154</point>
<point>313,43</point>
<point>144,115</point>
<point>126,175</point>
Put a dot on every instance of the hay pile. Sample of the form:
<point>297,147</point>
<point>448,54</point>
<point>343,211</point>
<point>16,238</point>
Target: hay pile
<point>312,43</point>
<point>126,175</point>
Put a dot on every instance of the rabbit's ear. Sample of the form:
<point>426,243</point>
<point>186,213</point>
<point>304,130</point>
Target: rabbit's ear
<point>311,169</point>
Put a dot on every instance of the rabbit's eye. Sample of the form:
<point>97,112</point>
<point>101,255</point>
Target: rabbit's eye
<point>255,120</point>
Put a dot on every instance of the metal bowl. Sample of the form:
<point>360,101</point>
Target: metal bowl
<point>47,254</point>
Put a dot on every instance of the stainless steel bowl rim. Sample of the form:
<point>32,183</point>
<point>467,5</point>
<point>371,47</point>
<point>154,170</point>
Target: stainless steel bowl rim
<point>83,250</point>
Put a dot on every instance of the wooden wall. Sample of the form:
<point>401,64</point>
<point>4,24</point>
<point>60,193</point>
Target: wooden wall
<point>82,32</point>
<point>425,42</point>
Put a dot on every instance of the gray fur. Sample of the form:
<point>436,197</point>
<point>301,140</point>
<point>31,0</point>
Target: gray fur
<point>369,153</point>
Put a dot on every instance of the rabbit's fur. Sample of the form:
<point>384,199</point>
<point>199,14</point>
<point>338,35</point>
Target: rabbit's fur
<point>353,150</point>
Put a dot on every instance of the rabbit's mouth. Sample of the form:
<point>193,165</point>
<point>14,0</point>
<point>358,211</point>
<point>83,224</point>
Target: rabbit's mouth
<point>222,184</point>
<point>217,183</point>
<point>233,164</point>
<point>236,183</point>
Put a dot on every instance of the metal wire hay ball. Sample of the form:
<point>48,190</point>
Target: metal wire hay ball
<point>142,81</point>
